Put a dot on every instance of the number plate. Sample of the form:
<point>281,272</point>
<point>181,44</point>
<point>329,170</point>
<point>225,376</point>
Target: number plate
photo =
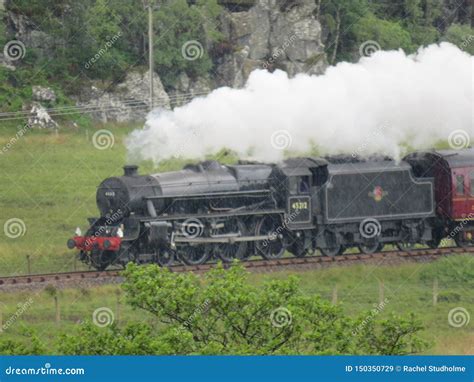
<point>299,209</point>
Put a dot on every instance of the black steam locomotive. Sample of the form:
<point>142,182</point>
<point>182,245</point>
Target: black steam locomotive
<point>209,210</point>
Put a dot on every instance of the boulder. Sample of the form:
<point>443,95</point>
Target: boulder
<point>39,117</point>
<point>43,94</point>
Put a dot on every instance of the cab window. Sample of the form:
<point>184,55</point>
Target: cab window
<point>460,185</point>
<point>292,185</point>
<point>303,187</point>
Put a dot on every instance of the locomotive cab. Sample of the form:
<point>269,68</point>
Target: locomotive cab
<point>299,179</point>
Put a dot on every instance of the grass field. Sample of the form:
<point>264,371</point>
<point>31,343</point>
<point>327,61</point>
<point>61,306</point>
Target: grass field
<point>407,288</point>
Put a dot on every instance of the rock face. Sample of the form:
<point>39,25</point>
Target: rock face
<point>186,89</point>
<point>272,34</point>
<point>29,34</point>
<point>128,101</point>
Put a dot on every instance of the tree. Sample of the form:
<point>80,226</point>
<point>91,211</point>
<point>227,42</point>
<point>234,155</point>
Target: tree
<point>389,35</point>
<point>181,43</point>
<point>340,16</point>
<point>223,313</point>
<point>462,36</point>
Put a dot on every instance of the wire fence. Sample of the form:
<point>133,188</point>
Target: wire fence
<point>91,108</point>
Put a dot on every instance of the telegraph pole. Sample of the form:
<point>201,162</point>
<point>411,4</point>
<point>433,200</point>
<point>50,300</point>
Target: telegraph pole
<point>150,49</point>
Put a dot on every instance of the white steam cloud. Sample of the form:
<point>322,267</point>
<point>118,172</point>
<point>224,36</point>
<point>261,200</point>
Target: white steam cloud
<point>378,105</point>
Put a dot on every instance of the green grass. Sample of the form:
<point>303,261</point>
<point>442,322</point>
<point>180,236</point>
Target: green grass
<point>408,288</point>
<point>49,182</point>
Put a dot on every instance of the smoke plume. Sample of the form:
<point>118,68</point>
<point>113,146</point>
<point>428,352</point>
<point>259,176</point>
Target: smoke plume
<point>380,105</point>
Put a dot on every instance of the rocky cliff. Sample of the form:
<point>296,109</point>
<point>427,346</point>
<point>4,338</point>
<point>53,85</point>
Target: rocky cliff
<point>271,34</point>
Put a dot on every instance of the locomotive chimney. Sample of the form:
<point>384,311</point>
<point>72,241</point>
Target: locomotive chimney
<point>130,170</point>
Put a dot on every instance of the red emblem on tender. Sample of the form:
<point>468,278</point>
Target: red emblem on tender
<point>378,193</point>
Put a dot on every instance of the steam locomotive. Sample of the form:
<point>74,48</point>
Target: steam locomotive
<point>212,211</point>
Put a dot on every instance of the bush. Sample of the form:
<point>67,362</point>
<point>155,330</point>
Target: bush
<point>225,314</point>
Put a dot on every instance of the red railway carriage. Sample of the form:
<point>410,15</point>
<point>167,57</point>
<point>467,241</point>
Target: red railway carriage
<point>453,172</point>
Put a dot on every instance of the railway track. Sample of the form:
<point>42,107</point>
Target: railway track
<point>259,265</point>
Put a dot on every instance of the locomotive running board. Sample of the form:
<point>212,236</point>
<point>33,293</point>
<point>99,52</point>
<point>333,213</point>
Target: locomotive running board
<point>232,239</point>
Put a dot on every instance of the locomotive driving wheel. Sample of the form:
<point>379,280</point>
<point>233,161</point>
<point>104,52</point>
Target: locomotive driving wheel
<point>194,254</point>
<point>232,250</point>
<point>274,247</point>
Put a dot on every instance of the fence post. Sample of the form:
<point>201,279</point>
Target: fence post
<point>117,318</point>
<point>435,291</point>
<point>334,295</point>
<point>58,311</point>
<point>381,292</point>
<point>28,264</point>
